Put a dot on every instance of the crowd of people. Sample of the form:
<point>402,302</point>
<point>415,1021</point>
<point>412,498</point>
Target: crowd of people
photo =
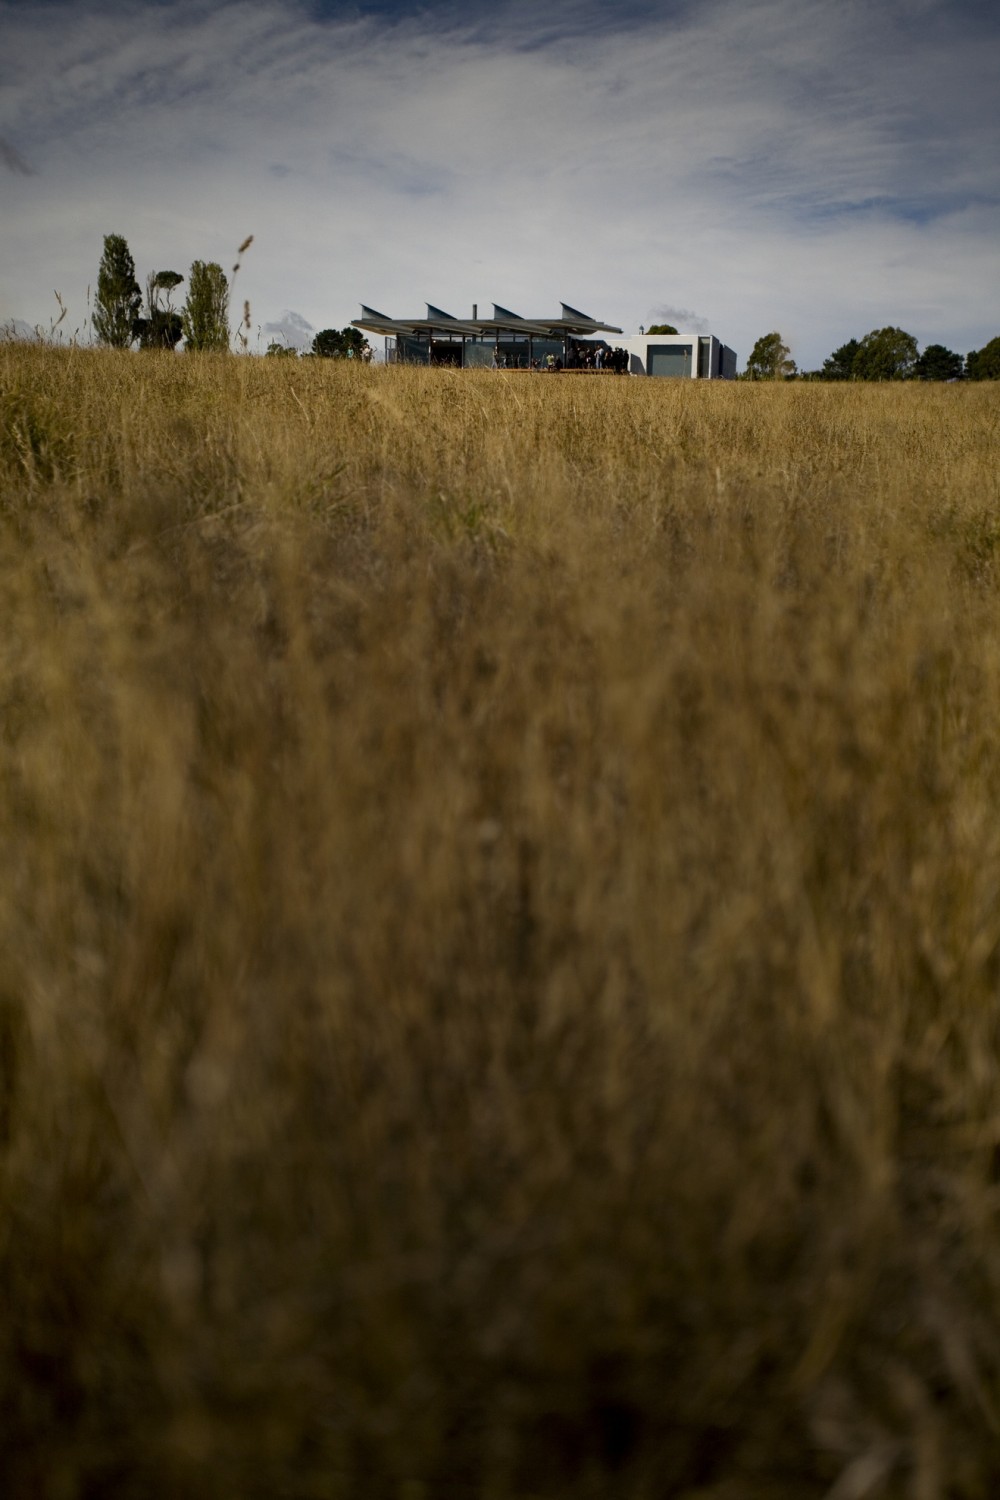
<point>597,357</point>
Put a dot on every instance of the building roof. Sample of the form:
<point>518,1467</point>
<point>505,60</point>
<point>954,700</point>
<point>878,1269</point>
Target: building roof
<point>571,322</point>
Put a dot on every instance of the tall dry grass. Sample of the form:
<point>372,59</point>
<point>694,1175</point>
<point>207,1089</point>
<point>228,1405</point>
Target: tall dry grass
<point>499,935</point>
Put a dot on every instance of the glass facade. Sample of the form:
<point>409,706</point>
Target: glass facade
<point>700,355</point>
<point>411,351</point>
<point>476,354</point>
<point>516,354</point>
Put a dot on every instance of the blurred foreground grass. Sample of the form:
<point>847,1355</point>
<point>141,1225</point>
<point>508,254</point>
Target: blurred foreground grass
<point>499,935</point>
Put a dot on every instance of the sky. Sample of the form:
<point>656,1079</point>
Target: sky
<point>818,167</point>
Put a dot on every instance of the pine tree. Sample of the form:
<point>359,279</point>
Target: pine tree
<point>939,363</point>
<point>205,317</point>
<point>118,299</point>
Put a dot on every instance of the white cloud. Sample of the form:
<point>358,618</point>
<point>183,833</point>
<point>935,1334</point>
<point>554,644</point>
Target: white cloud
<point>772,163</point>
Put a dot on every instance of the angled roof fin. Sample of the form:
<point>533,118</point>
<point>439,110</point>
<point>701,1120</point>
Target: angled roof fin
<point>369,315</point>
<point>504,315</point>
<point>435,315</point>
<point>574,315</point>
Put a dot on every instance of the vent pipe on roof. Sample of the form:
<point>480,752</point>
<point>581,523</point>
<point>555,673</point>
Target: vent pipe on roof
<point>475,312</point>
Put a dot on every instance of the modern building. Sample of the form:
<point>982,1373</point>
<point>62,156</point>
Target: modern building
<point>525,343</point>
<point>471,343</point>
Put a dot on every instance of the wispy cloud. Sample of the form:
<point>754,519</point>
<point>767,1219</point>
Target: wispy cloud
<point>770,162</point>
<point>680,317</point>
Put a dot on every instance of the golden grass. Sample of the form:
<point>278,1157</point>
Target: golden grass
<point>499,934</point>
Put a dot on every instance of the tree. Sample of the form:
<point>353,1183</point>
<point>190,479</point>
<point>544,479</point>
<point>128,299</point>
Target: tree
<point>349,343</point>
<point>886,354</point>
<point>205,317</point>
<point>939,363</point>
<point>281,351</point>
<point>770,359</point>
<point>984,364</point>
<point>118,299</point>
<point>661,328</point>
<point>840,365</point>
<point>161,328</point>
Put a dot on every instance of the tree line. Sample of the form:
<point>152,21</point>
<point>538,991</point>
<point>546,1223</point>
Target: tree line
<point>122,317</point>
<point>331,343</point>
<point>883,354</point>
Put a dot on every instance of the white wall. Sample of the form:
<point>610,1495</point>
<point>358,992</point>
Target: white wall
<point>722,362</point>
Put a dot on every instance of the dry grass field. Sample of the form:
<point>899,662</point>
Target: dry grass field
<point>499,935</point>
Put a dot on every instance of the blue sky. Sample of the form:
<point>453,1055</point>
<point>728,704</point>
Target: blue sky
<point>734,165</point>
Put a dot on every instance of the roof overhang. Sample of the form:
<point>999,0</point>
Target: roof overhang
<point>443,325</point>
